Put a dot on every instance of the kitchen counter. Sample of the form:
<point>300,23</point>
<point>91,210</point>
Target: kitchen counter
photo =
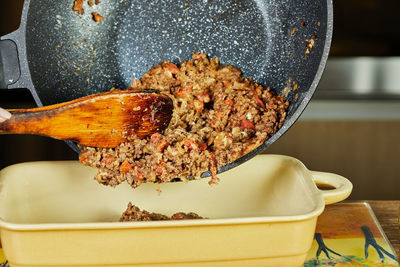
<point>388,213</point>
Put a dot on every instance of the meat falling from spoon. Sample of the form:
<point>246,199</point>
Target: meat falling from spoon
<point>101,120</point>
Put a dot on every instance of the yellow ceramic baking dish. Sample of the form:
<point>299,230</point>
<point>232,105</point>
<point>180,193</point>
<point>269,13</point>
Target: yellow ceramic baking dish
<point>262,213</point>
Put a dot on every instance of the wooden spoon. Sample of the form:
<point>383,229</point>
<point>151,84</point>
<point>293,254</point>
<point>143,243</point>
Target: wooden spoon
<point>100,120</point>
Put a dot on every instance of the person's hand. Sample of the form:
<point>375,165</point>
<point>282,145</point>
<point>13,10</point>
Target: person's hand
<point>4,115</point>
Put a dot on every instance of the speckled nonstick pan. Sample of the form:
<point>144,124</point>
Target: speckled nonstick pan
<point>60,55</point>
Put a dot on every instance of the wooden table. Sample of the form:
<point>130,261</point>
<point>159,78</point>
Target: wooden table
<point>387,213</point>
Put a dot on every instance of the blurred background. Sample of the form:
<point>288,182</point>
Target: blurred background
<point>351,127</point>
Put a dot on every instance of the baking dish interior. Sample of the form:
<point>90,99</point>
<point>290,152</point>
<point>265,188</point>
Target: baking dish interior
<point>271,187</point>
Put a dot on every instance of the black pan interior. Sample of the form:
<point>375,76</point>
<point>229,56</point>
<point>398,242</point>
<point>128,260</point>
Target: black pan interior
<point>70,55</point>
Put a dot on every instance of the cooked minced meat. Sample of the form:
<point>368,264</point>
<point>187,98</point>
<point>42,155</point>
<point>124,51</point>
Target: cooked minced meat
<point>133,213</point>
<point>97,17</point>
<point>78,7</point>
<point>218,117</point>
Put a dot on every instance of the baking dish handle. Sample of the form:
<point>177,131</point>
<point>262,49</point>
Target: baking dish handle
<point>341,187</point>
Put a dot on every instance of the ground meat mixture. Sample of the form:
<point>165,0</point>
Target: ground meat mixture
<point>133,213</point>
<point>97,17</point>
<point>310,44</point>
<point>78,7</point>
<point>218,117</point>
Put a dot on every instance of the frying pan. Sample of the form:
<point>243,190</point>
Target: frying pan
<point>60,55</point>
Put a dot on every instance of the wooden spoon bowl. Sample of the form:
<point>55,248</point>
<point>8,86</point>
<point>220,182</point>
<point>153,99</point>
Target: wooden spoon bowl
<point>100,120</point>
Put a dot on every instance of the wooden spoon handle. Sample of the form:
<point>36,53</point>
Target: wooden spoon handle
<point>17,124</point>
<point>35,121</point>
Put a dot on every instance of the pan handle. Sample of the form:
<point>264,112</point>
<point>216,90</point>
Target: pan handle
<point>10,71</point>
<point>14,69</point>
<point>340,187</point>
